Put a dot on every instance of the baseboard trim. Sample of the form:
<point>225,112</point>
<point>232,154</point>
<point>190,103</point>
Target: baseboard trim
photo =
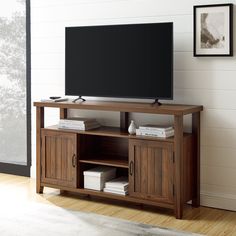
<point>219,200</point>
<point>33,172</point>
<point>15,169</point>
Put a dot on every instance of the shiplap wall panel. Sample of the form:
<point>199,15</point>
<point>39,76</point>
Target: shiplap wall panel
<point>50,77</point>
<point>180,5</point>
<point>223,176</point>
<point>218,189</point>
<point>183,24</point>
<point>186,61</point>
<point>49,45</point>
<point>67,10</point>
<point>218,156</point>
<point>219,138</point>
<point>207,81</point>
<point>216,118</point>
<point>214,99</point>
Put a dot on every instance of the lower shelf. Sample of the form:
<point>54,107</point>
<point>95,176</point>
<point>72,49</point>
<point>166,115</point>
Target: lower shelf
<point>126,198</point>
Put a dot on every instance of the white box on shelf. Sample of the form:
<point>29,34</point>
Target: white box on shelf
<point>95,178</point>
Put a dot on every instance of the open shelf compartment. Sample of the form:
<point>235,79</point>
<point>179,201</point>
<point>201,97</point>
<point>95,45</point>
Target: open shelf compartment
<point>120,171</point>
<point>102,150</point>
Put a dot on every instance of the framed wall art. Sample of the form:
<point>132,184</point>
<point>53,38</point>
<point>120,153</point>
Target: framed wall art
<point>213,30</point>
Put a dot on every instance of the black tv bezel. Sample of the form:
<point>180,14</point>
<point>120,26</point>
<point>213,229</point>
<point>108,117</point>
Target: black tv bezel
<point>126,97</point>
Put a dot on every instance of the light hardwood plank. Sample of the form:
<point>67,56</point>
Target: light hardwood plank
<point>199,220</point>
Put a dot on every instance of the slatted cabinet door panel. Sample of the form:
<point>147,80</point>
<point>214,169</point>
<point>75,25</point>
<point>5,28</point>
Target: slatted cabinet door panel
<point>59,158</point>
<point>151,170</point>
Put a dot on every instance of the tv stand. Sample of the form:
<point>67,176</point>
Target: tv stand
<point>156,102</point>
<point>79,98</point>
<point>162,172</point>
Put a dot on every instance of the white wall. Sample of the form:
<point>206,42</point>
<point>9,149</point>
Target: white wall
<point>207,81</point>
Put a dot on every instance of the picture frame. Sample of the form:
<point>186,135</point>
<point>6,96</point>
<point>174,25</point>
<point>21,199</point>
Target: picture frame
<point>213,30</point>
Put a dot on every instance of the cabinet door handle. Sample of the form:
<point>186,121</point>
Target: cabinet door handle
<point>74,160</point>
<point>131,168</point>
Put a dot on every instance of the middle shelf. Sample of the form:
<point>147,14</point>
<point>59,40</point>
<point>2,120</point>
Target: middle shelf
<point>116,161</point>
<point>115,132</point>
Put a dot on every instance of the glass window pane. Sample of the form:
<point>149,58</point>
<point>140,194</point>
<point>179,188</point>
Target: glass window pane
<point>13,128</point>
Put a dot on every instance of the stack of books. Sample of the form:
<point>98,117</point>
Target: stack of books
<point>78,123</point>
<point>156,131</point>
<point>117,186</point>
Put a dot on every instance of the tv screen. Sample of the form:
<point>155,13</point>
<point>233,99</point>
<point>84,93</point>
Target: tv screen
<point>127,61</point>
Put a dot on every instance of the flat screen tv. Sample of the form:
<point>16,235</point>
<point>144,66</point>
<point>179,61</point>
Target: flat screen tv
<point>126,61</point>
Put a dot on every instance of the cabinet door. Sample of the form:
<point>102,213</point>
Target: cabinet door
<point>151,170</point>
<point>59,158</point>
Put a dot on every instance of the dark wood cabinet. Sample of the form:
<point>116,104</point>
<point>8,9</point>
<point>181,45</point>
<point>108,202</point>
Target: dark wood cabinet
<point>151,170</point>
<point>59,158</point>
<point>163,172</point>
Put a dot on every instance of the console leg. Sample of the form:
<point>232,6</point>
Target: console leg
<point>178,166</point>
<point>196,159</point>
<point>39,125</point>
<point>179,213</point>
<point>39,189</point>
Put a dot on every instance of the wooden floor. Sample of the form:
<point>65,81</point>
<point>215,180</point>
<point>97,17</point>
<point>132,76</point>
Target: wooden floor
<point>201,220</point>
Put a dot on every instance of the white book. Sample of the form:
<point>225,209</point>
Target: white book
<point>155,134</point>
<point>78,124</point>
<point>78,127</point>
<point>162,128</point>
<point>119,183</point>
<point>78,120</point>
<point>115,192</point>
<point>118,189</point>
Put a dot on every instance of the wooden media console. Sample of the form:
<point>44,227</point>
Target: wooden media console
<point>162,172</point>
